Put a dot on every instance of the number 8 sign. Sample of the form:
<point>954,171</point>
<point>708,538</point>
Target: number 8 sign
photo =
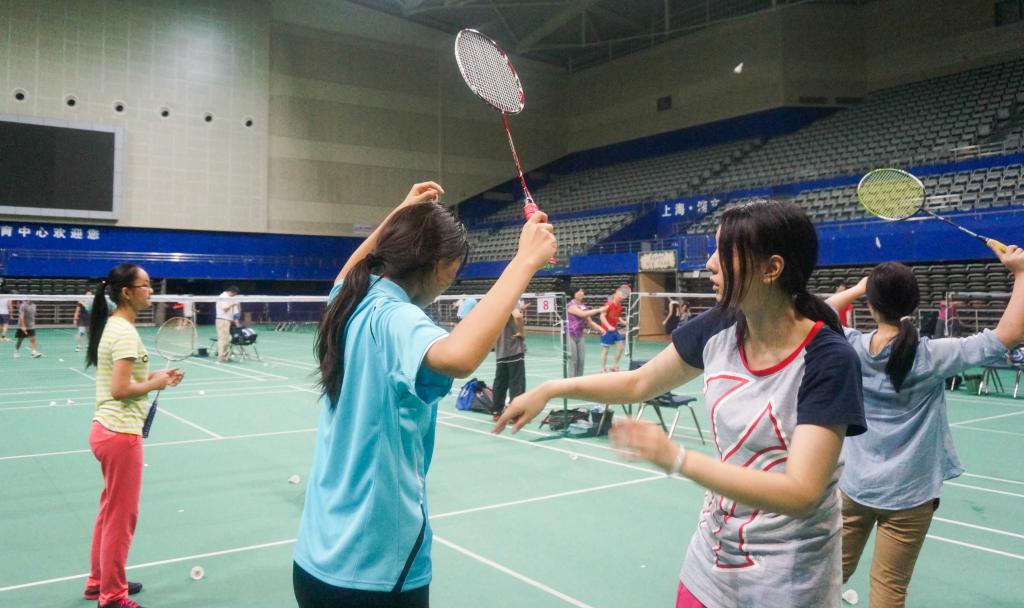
<point>546,304</point>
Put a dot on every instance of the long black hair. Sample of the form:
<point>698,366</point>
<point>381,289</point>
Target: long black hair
<point>758,231</point>
<point>410,246</point>
<point>893,293</point>
<point>121,276</point>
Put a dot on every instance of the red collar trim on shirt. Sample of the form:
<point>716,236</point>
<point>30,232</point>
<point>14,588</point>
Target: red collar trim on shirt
<point>781,364</point>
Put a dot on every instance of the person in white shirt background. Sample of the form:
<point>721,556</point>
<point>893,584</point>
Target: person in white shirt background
<point>226,309</point>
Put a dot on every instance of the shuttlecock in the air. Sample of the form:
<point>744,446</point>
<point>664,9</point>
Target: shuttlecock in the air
<point>738,69</point>
<point>878,242</point>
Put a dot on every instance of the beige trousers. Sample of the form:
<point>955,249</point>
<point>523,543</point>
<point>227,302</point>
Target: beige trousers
<point>897,545</point>
<point>223,339</point>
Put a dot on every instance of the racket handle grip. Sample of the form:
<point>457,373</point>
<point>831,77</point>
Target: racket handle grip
<point>529,208</point>
<point>1000,246</point>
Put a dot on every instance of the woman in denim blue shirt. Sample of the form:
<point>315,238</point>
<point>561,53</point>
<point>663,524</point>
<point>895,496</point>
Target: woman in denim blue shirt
<point>894,472</point>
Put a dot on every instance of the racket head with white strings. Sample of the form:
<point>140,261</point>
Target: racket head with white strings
<point>895,194</point>
<point>175,341</point>
<point>489,73</point>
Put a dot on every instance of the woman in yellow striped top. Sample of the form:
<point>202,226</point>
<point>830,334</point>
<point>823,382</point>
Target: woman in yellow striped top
<point>123,381</point>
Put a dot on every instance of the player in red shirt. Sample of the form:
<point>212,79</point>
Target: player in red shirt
<point>611,318</point>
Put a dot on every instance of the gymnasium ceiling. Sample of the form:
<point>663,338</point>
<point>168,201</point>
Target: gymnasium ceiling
<point>577,34</point>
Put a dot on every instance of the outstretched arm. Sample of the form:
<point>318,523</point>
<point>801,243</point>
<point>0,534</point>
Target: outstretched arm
<point>664,372</point>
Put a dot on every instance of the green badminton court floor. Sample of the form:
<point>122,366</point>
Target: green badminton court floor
<point>530,520</point>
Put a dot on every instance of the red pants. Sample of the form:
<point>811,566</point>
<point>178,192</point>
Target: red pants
<point>120,457</point>
<point>685,599</point>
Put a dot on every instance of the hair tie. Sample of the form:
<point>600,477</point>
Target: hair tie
<point>906,318</point>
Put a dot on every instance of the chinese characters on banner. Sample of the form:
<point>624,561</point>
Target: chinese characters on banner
<point>18,233</point>
<point>689,210</point>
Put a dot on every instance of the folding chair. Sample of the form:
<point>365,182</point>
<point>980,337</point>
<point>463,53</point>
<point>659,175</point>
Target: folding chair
<point>669,400</point>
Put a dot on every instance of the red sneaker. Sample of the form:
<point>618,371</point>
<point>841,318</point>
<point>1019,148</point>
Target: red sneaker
<point>121,603</point>
<point>93,592</point>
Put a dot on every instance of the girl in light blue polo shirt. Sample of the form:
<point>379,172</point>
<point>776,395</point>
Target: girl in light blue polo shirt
<point>894,471</point>
<point>365,537</point>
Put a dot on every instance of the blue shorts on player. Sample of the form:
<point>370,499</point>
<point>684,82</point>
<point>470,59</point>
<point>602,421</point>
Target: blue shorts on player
<point>611,337</point>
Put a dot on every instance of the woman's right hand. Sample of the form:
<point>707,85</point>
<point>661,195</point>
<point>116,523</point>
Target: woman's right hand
<point>522,410</point>
<point>1012,258</point>
<point>162,379</point>
<point>537,243</point>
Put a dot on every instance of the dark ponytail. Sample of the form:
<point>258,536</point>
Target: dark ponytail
<point>753,233</point>
<point>894,294</point>
<point>409,247</point>
<point>121,276</point>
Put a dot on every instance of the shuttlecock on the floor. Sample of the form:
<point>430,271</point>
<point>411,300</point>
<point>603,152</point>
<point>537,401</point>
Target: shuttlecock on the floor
<point>53,403</point>
<point>60,360</point>
<point>850,597</point>
<point>70,402</point>
<point>197,573</point>
<point>738,69</point>
<point>573,456</point>
<point>202,392</point>
<point>294,479</point>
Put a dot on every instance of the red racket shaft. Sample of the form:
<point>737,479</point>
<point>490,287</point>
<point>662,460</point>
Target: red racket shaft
<point>529,206</point>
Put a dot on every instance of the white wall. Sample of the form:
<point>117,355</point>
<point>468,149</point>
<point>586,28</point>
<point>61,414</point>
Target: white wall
<point>189,56</point>
<point>616,101</point>
<point>357,117</point>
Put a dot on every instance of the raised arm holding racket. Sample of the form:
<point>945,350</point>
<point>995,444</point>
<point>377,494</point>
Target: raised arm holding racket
<point>489,73</point>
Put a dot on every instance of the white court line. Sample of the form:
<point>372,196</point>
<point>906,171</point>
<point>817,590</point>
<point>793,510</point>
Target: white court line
<point>228,392</point>
<point>973,420</point>
<point>978,547</point>
<point>283,542</point>
<point>223,368</point>
<point>978,428</point>
<point>981,489</point>
<point>524,501</point>
<point>974,399</point>
<point>91,395</point>
<point>303,389</point>
<point>506,570</point>
<point>80,388</point>
<point>549,447</point>
<point>163,443</point>
<point>152,564</point>
<point>189,423</point>
<point>994,478</point>
<point>976,527</point>
<point>81,373</point>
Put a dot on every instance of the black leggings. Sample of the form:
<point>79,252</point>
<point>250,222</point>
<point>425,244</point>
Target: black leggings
<point>311,592</point>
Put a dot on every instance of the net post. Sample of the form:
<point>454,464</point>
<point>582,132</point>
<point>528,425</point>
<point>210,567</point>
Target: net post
<point>562,300</point>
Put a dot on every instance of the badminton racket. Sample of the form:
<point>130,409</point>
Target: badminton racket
<point>175,341</point>
<point>894,194</point>
<point>489,73</point>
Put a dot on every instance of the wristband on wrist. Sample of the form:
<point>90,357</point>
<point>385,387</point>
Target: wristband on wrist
<point>677,464</point>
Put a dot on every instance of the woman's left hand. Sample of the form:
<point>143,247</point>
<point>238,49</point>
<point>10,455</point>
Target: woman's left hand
<point>643,440</point>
